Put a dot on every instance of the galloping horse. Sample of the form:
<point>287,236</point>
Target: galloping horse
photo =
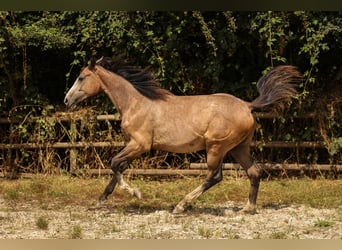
<point>154,118</point>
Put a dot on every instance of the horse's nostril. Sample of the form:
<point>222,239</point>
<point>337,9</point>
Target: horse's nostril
<point>66,101</point>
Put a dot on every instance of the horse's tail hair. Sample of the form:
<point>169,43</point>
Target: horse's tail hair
<point>277,87</point>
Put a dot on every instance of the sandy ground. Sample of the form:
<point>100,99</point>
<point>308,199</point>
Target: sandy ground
<point>222,222</point>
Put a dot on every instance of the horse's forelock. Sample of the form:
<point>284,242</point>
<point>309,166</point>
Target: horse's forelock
<point>92,63</point>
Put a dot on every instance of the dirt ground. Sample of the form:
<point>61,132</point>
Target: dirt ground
<point>222,222</point>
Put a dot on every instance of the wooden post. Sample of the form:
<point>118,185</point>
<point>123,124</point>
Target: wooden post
<point>73,151</point>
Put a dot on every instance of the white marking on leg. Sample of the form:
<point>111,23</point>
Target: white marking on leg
<point>249,208</point>
<point>124,186</point>
<point>188,199</point>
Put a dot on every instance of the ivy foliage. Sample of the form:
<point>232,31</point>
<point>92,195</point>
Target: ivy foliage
<point>191,52</point>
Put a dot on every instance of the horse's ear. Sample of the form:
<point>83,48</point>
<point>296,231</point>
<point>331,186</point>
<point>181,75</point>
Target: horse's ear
<point>98,61</point>
<point>92,63</point>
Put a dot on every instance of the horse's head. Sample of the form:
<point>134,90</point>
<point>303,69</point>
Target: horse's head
<point>87,84</point>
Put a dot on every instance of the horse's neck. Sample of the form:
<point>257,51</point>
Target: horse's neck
<point>122,94</point>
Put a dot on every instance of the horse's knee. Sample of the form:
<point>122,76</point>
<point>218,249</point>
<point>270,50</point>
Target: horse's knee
<point>254,174</point>
<point>219,176</point>
<point>213,178</point>
<point>114,164</point>
<point>118,165</point>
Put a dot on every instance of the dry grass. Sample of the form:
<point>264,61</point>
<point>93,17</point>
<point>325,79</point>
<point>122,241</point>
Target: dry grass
<point>58,191</point>
<point>64,207</point>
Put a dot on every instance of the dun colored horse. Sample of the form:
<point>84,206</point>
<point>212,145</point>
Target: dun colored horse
<point>154,118</point>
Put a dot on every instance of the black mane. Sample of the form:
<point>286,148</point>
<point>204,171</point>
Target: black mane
<point>141,79</point>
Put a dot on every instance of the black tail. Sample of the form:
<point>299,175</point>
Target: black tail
<point>277,87</point>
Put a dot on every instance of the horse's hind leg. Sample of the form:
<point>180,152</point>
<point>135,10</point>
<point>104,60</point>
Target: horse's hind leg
<point>242,155</point>
<point>214,176</point>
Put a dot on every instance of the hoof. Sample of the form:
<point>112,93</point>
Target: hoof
<point>99,203</point>
<point>101,200</point>
<point>248,209</point>
<point>137,193</point>
<point>178,210</point>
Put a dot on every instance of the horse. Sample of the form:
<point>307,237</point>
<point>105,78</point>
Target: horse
<point>154,118</point>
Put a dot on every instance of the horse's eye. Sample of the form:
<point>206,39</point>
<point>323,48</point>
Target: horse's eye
<point>81,78</point>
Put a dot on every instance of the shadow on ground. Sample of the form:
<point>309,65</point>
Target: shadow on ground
<point>190,210</point>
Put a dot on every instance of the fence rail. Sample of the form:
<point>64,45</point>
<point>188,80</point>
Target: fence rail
<point>232,169</point>
<point>61,145</point>
<point>68,145</point>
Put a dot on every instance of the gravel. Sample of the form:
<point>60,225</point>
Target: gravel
<point>222,222</point>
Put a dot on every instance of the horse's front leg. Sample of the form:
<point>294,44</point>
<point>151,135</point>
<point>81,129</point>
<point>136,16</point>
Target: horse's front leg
<point>118,179</point>
<point>123,185</point>
<point>119,164</point>
<point>108,190</point>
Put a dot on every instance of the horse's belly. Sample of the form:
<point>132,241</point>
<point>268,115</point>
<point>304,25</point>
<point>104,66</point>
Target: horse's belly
<point>180,145</point>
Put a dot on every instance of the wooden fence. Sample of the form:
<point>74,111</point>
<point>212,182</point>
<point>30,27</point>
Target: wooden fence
<point>193,168</point>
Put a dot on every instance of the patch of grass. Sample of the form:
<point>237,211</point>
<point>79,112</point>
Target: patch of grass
<point>204,232</point>
<point>58,191</point>
<point>115,229</point>
<point>38,185</point>
<point>142,232</point>
<point>11,194</point>
<point>323,223</point>
<point>76,232</point>
<point>278,235</point>
<point>54,190</point>
<point>42,223</point>
<point>163,235</point>
<point>186,225</point>
<point>231,234</point>
<point>320,193</point>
